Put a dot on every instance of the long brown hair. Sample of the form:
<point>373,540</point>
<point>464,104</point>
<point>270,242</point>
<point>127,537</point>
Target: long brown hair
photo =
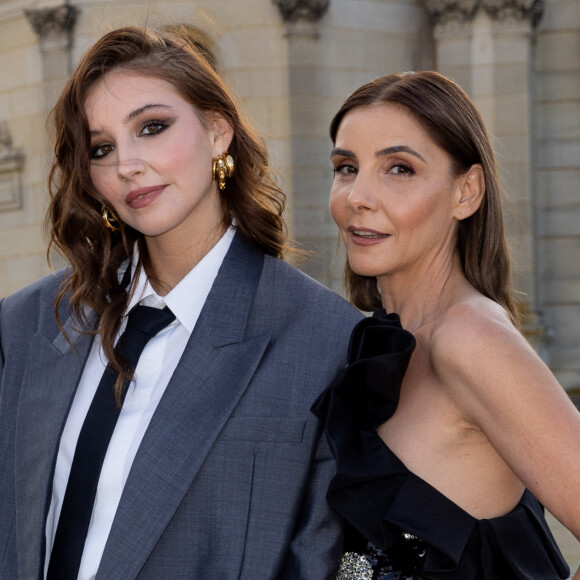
<point>74,222</point>
<point>452,121</point>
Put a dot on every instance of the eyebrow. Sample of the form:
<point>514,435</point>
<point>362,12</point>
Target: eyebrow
<point>135,113</point>
<point>382,153</point>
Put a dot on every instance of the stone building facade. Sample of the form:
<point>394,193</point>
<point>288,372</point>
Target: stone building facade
<point>292,63</point>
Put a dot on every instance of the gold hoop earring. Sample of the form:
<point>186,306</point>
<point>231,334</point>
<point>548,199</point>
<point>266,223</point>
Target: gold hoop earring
<point>222,168</point>
<point>111,221</point>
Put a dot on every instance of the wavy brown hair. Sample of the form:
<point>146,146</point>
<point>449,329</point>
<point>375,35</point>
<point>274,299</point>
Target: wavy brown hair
<point>451,119</point>
<point>74,222</point>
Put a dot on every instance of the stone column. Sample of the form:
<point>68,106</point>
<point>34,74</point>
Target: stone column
<point>313,228</point>
<point>485,45</point>
<point>453,37</point>
<point>512,94</point>
<point>54,27</point>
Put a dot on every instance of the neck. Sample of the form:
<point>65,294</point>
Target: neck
<point>421,297</point>
<point>169,261</point>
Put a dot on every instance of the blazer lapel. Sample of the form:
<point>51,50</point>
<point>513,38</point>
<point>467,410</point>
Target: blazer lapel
<point>49,382</point>
<point>216,367</point>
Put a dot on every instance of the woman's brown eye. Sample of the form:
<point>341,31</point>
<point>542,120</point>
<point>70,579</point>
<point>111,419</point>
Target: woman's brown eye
<point>400,169</point>
<point>153,128</point>
<point>344,169</point>
<point>100,151</point>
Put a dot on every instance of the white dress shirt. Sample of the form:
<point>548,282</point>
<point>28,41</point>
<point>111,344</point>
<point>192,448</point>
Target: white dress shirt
<point>152,374</point>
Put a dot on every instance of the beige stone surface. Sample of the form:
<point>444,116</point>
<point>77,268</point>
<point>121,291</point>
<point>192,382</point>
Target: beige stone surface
<point>526,83</point>
<point>568,544</point>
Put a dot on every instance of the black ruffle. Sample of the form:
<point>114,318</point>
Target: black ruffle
<point>381,498</point>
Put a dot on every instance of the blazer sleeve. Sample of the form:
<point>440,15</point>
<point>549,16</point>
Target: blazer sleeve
<point>8,557</point>
<point>316,547</point>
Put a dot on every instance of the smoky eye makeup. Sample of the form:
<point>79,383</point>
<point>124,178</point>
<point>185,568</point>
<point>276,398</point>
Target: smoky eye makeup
<point>100,150</point>
<point>152,128</point>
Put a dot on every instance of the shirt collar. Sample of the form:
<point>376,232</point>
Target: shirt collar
<point>187,298</point>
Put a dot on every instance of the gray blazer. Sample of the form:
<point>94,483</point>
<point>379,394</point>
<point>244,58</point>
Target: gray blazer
<point>231,476</point>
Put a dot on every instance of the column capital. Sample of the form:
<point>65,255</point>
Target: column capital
<point>444,11</point>
<point>310,10</point>
<point>50,22</point>
<point>501,10</point>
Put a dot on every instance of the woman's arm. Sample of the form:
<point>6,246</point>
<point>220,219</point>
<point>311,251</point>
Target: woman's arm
<point>501,386</point>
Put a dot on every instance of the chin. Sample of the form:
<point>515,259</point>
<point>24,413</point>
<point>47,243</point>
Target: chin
<point>367,272</point>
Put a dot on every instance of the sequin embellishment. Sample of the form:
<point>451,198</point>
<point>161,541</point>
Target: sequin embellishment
<point>354,567</point>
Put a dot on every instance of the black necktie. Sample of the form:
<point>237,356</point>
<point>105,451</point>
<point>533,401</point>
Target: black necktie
<point>143,323</point>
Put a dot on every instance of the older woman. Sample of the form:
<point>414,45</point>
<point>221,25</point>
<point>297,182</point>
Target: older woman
<point>445,433</point>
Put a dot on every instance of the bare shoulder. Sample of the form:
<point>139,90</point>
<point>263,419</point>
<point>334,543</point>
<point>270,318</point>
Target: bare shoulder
<point>473,326</point>
<point>475,346</point>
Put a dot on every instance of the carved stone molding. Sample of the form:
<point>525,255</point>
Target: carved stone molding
<point>444,11</point>
<point>51,22</point>
<point>310,10</point>
<point>54,27</point>
<point>11,164</point>
<point>515,9</point>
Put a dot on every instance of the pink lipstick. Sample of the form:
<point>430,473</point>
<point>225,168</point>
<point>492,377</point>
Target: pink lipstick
<point>366,236</point>
<point>143,196</point>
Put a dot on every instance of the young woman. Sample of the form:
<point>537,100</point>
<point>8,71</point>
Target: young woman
<point>445,433</point>
<point>200,459</point>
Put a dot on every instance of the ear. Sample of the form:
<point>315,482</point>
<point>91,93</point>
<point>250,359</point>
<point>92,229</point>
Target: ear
<point>471,189</point>
<point>222,133</point>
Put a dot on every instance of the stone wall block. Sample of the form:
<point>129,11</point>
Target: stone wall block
<point>561,222</point>
<point>15,34</point>
<point>316,218</point>
<point>564,317</point>
<point>512,114</point>
<point>561,15</point>
<point>15,62</point>
<point>559,120</point>
<point>453,51</point>
<point>345,42</point>
<point>312,152</point>
<point>5,105</point>
<point>558,85</point>
<point>510,78</point>
<point>557,258</point>
<point>486,104</point>
<point>240,81</point>
<point>22,271</point>
<point>559,188</point>
<point>26,101</point>
<point>560,290</point>
<point>515,180</point>
<point>558,154</point>
<point>512,49</point>
<point>516,146</point>
<point>268,83</point>
<point>557,51</point>
<point>30,241</point>
<point>369,15</point>
<point>260,49</point>
<point>278,118</point>
<point>311,190</point>
<point>259,114</point>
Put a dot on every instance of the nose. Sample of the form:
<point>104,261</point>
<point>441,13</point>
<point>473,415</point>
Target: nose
<point>361,196</point>
<point>129,165</point>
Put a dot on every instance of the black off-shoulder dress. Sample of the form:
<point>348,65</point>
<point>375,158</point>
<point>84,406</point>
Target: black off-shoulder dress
<point>398,526</point>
